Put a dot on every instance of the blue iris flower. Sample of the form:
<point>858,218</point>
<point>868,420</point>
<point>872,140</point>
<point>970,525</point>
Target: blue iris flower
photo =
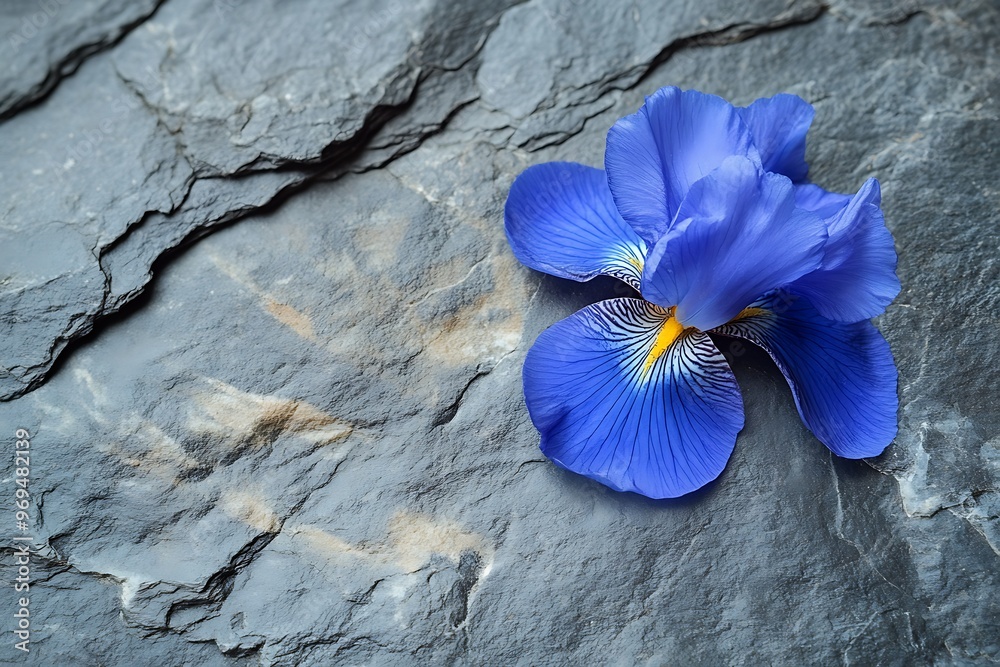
<point>705,209</point>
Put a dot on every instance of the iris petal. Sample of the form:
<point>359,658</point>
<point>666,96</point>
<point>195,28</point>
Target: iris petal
<point>842,375</point>
<point>739,236</point>
<point>823,203</point>
<point>654,155</point>
<point>857,278</point>
<point>623,395</point>
<point>778,126</point>
<point>560,219</point>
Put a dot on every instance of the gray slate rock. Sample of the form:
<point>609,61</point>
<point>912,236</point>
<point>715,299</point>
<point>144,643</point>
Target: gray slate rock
<point>143,164</point>
<point>75,179</point>
<point>571,73</point>
<point>46,40</point>
<point>307,444</point>
<point>88,604</point>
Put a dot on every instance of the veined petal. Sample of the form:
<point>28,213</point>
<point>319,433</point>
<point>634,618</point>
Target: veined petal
<point>739,236</point>
<point>778,126</point>
<point>841,374</point>
<point>823,203</point>
<point>857,278</point>
<point>560,219</point>
<point>656,154</point>
<point>622,394</point>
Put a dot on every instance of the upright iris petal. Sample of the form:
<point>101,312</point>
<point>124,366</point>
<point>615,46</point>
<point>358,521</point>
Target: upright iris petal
<point>821,202</point>
<point>857,278</point>
<point>778,126</point>
<point>738,236</point>
<point>841,374</point>
<point>654,156</point>
<point>623,394</point>
<point>560,219</point>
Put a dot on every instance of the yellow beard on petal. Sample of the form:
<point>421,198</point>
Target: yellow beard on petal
<point>749,312</point>
<point>667,334</point>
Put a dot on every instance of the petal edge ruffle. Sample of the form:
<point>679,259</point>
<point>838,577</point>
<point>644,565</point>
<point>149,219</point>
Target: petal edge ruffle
<point>560,219</point>
<point>655,155</point>
<point>857,278</point>
<point>778,126</point>
<point>842,375</point>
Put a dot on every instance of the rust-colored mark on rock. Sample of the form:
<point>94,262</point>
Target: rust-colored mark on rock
<point>295,320</point>
<point>239,417</point>
<point>291,318</point>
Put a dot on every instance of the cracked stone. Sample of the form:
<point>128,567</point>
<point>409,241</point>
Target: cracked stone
<point>46,41</point>
<point>144,160</point>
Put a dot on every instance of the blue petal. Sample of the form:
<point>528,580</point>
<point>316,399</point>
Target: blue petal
<point>623,395</point>
<point>739,236</point>
<point>842,374</point>
<point>821,202</point>
<point>560,219</point>
<point>857,278</point>
<point>656,154</point>
<point>778,126</point>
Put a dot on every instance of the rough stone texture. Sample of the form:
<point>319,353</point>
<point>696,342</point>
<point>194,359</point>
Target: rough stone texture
<point>145,147</point>
<point>304,442</point>
<point>48,39</point>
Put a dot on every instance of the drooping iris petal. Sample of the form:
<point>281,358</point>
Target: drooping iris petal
<point>857,278</point>
<point>621,394</point>
<point>654,156</point>
<point>739,236</point>
<point>560,219</point>
<point>778,126</point>
<point>841,374</point>
<point>823,203</point>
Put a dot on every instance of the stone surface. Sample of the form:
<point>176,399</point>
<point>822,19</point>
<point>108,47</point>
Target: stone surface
<point>304,443</point>
<point>141,149</point>
<point>48,39</point>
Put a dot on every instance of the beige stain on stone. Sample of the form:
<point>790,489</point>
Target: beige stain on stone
<point>340,267</point>
<point>378,242</point>
<point>162,450</point>
<point>487,329</point>
<point>236,417</point>
<point>411,541</point>
<point>479,332</point>
<point>131,439</point>
<point>413,538</point>
<point>143,445</point>
<point>295,320</point>
<point>250,508</point>
<point>291,318</point>
<point>327,543</point>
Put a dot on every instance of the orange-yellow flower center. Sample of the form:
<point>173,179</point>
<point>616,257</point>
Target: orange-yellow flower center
<point>665,336</point>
